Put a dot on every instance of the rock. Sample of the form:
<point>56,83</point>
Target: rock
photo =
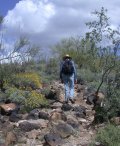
<point>4,119</point>
<point>99,99</point>
<point>66,107</point>
<point>41,123</point>
<point>33,134</point>
<point>7,109</point>
<point>2,138</point>
<point>27,126</point>
<point>57,116</point>
<point>64,130</point>
<point>95,99</point>
<point>7,126</point>
<point>59,94</point>
<point>33,114</point>
<point>10,138</point>
<point>90,99</point>
<point>56,105</point>
<point>81,120</point>
<point>79,88</point>
<point>80,111</point>
<point>51,95</point>
<point>73,122</point>
<point>115,120</point>
<point>56,92</point>
<point>98,144</point>
<point>43,115</point>
<point>53,139</point>
<point>14,117</point>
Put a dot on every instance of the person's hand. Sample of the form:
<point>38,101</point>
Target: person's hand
<point>75,81</point>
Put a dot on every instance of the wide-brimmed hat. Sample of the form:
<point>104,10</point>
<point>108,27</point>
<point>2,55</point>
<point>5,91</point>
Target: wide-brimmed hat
<point>67,56</point>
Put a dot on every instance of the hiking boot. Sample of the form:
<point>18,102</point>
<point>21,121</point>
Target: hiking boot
<point>72,101</point>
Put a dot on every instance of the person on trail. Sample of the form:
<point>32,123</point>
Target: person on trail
<point>68,77</point>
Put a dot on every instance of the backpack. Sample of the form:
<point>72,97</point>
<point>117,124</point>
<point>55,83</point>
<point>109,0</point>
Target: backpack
<point>67,67</point>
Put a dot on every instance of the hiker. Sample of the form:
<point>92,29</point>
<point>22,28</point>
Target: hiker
<point>68,77</point>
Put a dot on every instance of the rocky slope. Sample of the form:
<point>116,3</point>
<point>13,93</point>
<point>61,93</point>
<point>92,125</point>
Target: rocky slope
<point>58,125</point>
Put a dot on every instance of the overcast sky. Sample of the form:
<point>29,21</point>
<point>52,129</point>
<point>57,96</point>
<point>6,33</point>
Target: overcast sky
<point>46,22</point>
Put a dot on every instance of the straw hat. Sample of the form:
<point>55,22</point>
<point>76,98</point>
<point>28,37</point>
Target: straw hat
<point>67,56</point>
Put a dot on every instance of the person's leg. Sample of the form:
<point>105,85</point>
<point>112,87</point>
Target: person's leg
<point>66,85</point>
<point>71,86</point>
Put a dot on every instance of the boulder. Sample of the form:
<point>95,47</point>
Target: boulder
<point>90,99</point>
<point>73,122</point>
<point>64,130</point>
<point>33,114</point>
<point>27,126</point>
<point>57,116</point>
<point>66,107</point>
<point>14,117</point>
<point>11,138</point>
<point>80,111</point>
<point>95,99</point>
<point>43,115</point>
<point>7,109</point>
<point>51,95</point>
<point>56,105</point>
<point>34,124</point>
<point>33,134</point>
<point>53,139</point>
<point>56,92</point>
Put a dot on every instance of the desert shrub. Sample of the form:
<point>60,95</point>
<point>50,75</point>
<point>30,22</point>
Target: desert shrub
<point>2,96</point>
<point>110,109</point>
<point>51,66</point>
<point>88,75</point>
<point>109,136</point>
<point>7,70</point>
<point>95,84</point>
<point>113,102</point>
<point>15,95</point>
<point>27,81</point>
<point>10,90</point>
<point>34,100</point>
<point>45,91</point>
<point>101,114</point>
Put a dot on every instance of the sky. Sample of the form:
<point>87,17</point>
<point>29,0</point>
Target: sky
<point>46,22</point>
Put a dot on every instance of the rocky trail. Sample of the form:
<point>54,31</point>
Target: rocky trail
<point>58,125</point>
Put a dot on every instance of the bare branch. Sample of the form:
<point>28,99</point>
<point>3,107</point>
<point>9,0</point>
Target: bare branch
<point>8,57</point>
<point>102,80</point>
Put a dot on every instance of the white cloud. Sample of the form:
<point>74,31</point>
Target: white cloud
<point>29,16</point>
<point>46,22</point>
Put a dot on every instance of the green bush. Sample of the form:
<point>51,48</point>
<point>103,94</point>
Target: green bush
<point>110,109</point>
<point>2,96</point>
<point>113,102</point>
<point>95,84</point>
<point>87,75</point>
<point>109,136</point>
<point>27,81</point>
<point>15,95</point>
<point>35,100</point>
